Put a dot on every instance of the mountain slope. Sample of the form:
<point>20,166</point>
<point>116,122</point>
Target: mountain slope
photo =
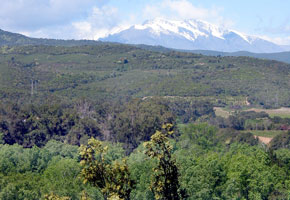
<point>15,39</point>
<point>280,56</point>
<point>192,35</point>
<point>113,71</point>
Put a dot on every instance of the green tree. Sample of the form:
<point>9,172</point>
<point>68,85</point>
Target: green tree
<point>111,177</point>
<point>165,183</point>
<point>61,177</point>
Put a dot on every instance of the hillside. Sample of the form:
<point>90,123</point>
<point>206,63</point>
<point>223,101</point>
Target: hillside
<point>111,71</point>
<point>281,56</point>
<point>14,39</point>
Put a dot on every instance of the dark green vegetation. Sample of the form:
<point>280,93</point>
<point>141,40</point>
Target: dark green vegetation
<point>111,71</point>
<point>281,56</point>
<point>208,168</point>
<point>129,123</point>
<point>54,99</point>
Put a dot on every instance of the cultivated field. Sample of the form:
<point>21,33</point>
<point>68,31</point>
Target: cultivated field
<point>221,112</point>
<point>281,112</point>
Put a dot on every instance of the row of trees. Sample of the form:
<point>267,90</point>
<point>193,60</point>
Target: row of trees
<point>250,120</point>
<point>197,164</point>
<point>129,122</point>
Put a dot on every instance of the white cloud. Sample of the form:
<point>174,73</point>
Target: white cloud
<point>31,15</point>
<point>61,19</point>
<point>91,19</point>
<point>98,24</point>
<point>184,9</point>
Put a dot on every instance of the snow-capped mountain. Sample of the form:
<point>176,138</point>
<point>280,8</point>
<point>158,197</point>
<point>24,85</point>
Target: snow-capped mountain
<point>192,35</point>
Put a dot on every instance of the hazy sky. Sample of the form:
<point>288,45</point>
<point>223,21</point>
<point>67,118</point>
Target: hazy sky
<point>91,19</point>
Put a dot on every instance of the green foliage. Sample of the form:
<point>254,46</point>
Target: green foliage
<point>112,178</point>
<point>281,141</point>
<point>207,168</point>
<point>36,125</point>
<point>203,176</point>
<point>61,176</point>
<point>20,186</point>
<point>140,168</point>
<point>31,173</point>
<point>139,120</point>
<point>189,110</point>
<point>15,159</point>
<point>201,134</point>
<point>67,73</point>
<point>250,174</point>
<point>230,136</point>
<point>58,149</point>
<point>165,181</point>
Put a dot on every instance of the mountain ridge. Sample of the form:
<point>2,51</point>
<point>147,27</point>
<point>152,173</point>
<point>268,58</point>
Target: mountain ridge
<point>279,56</point>
<point>16,39</point>
<point>192,35</point>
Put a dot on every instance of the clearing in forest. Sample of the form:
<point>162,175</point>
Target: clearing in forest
<point>281,112</point>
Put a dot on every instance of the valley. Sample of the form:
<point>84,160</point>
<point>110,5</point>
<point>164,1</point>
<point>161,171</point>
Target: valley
<point>216,117</point>
<point>144,100</point>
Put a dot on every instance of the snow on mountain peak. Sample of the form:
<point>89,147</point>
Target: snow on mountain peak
<point>191,34</point>
<point>190,29</point>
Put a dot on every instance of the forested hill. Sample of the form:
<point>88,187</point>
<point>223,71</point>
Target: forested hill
<point>280,56</point>
<point>14,39</point>
<point>109,71</point>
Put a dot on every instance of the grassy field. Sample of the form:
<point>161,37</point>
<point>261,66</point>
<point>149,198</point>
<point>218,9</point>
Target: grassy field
<point>221,112</point>
<point>281,112</point>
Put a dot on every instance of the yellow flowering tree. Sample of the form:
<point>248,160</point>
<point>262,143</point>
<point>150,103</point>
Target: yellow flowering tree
<point>111,177</point>
<point>53,196</point>
<point>165,183</point>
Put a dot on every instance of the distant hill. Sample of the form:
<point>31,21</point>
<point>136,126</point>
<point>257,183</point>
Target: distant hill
<point>15,39</point>
<point>113,71</point>
<point>281,56</point>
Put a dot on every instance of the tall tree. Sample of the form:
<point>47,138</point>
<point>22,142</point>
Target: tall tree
<point>111,177</point>
<point>165,184</point>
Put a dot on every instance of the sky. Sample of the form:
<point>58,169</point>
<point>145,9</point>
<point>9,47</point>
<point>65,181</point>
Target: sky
<point>92,19</point>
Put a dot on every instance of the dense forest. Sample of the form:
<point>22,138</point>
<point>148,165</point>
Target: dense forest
<point>112,121</point>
